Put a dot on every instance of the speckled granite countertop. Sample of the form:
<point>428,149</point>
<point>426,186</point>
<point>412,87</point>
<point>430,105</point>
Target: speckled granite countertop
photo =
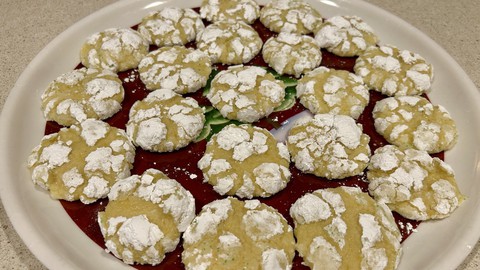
<point>27,26</point>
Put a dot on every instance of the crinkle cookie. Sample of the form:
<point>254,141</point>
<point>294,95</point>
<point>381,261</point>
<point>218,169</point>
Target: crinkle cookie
<point>292,54</point>
<point>414,122</point>
<point>345,35</point>
<point>171,26</point>
<point>82,162</point>
<point>413,183</point>
<point>245,161</point>
<point>230,10</point>
<point>80,94</point>
<point>234,234</point>
<point>183,70</point>
<point>164,121</point>
<point>229,43</point>
<point>394,72</point>
<point>246,93</point>
<point>344,228</point>
<point>115,49</point>
<point>325,90</point>
<point>145,216</point>
<point>291,16</point>
<point>330,146</point>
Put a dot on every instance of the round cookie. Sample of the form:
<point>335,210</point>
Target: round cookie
<point>325,90</point>
<point>246,93</point>
<point>229,43</point>
<point>230,10</point>
<point>164,121</point>
<point>82,162</point>
<point>414,122</point>
<point>344,228</point>
<point>394,72</point>
<point>171,26</point>
<point>115,49</point>
<point>245,161</point>
<point>80,94</point>
<point>292,54</point>
<point>183,70</point>
<point>330,146</point>
<point>345,36</point>
<point>145,216</point>
<point>233,234</point>
<point>412,183</point>
<point>291,16</point>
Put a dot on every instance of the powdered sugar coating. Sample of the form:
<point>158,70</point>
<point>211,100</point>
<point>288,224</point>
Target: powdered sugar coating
<point>115,49</point>
<point>413,183</point>
<point>330,146</point>
<point>246,93</point>
<point>80,94</point>
<point>325,90</point>
<point>394,72</point>
<point>292,54</point>
<point>245,161</point>
<point>414,122</point>
<point>327,225</point>
<point>233,234</point>
<point>229,42</point>
<point>291,16</point>
<point>171,26</point>
<point>345,35</point>
<point>183,70</point>
<point>82,162</point>
<point>230,10</point>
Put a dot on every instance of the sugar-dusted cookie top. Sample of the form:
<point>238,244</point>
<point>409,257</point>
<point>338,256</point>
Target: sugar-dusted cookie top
<point>245,161</point>
<point>230,10</point>
<point>414,122</point>
<point>292,54</point>
<point>234,234</point>
<point>246,93</point>
<point>115,49</point>
<point>183,70</point>
<point>394,72</point>
<point>344,228</point>
<point>229,43</point>
<point>145,216</point>
<point>345,35</point>
<point>325,90</point>
<point>164,121</point>
<point>330,146</point>
<point>82,162</point>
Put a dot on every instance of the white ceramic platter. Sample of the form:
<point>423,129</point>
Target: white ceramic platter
<point>55,239</point>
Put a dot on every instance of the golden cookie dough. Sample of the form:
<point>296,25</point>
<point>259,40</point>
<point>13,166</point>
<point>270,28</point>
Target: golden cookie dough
<point>115,49</point>
<point>171,26</point>
<point>183,70</point>
<point>246,93</point>
<point>291,16</point>
<point>245,161</point>
<point>292,54</point>
<point>82,162</point>
<point>330,146</point>
<point>394,72</point>
<point>345,35</point>
<point>325,90</point>
<point>80,94</point>
<point>414,122</point>
<point>233,234</point>
<point>229,43</point>
<point>230,10</point>
<point>412,183</point>
<point>164,121</point>
<point>344,228</point>
<point>145,216</point>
